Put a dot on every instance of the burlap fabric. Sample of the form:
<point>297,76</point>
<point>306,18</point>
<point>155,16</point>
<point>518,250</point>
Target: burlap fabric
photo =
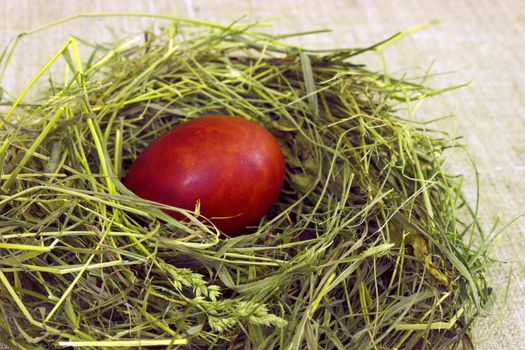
<point>479,41</point>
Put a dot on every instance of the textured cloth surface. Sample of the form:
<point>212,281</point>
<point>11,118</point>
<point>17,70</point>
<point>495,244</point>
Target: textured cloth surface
<point>479,41</point>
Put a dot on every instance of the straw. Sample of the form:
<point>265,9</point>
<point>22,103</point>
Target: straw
<point>371,244</point>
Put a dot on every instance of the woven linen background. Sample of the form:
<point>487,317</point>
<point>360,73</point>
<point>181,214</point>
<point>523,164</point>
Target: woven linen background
<point>479,41</point>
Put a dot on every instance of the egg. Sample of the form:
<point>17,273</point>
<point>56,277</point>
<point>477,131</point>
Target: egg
<point>230,165</point>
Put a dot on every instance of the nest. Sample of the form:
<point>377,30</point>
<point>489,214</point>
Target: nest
<point>369,246</point>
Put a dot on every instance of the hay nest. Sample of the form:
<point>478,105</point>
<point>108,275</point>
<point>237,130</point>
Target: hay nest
<point>364,249</point>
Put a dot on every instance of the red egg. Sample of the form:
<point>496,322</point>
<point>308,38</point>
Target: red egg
<point>233,166</point>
